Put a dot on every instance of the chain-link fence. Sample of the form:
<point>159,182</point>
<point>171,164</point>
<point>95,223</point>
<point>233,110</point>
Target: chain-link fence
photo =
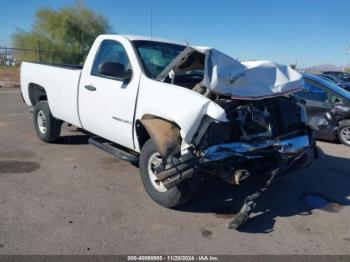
<point>14,56</point>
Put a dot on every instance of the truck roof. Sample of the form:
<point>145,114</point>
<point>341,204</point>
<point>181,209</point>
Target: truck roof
<point>147,38</point>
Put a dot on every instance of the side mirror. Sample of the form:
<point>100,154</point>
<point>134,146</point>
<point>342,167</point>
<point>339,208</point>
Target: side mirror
<point>330,116</point>
<point>114,69</point>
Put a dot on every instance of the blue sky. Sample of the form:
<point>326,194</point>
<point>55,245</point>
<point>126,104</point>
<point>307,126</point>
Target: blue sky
<point>308,31</point>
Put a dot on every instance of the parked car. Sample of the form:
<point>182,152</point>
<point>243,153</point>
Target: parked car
<point>345,77</point>
<point>177,111</point>
<point>337,81</point>
<point>328,108</point>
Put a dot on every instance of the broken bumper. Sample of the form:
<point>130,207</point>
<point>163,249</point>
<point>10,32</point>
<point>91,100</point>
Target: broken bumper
<point>287,154</point>
<point>287,146</point>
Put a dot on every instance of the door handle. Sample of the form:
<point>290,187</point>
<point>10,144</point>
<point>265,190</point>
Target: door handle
<point>90,88</point>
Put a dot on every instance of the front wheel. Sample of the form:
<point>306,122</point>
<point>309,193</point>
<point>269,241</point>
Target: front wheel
<point>344,132</point>
<point>47,127</point>
<point>172,197</point>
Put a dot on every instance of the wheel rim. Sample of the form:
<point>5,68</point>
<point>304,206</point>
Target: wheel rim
<point>345,135</point>
<point>154,161</point>
<point>42,123</point>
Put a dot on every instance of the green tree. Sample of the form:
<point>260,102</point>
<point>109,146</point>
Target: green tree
<point>62,36</point>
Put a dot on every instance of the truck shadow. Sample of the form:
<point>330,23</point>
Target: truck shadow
<point>325,185</point>
<point>80,137</point>
<point>73,139</point>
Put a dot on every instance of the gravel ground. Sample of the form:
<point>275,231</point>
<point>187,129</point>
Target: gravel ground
<point>71,198</point>
<point>9,77</point>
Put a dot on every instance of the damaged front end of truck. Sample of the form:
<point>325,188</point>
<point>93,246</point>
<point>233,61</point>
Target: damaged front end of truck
<point>264,133</point>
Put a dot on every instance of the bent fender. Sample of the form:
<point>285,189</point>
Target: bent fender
<point>165,135</point>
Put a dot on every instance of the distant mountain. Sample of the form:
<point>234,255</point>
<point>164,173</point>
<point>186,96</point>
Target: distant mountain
<point>324,67</point>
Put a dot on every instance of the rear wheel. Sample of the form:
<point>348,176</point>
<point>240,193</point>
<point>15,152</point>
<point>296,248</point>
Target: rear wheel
<point>172,197</point>
<point>344,132</point>
<point>47,127</point>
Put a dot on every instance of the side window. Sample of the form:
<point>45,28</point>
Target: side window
<point>336,100</point>
<point>110,51</point>
<point>313,92</point>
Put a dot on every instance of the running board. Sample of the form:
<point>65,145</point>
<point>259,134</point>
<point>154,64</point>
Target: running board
<point>108,147</point>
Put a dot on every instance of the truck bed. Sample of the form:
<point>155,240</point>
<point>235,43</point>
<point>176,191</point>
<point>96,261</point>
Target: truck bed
<point>61,84</point>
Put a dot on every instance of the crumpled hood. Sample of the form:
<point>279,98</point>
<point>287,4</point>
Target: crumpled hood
<point>247,80</point>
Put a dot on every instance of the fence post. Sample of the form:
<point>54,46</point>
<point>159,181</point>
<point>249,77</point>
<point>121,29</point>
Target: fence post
<point>5,58</point>
<point>39,51</point>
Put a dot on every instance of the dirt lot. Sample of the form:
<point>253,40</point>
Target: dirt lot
<point>9,76</point>
<point>71,198</point>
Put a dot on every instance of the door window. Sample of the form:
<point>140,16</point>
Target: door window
<point>336,100</point>
<point>110,51</point>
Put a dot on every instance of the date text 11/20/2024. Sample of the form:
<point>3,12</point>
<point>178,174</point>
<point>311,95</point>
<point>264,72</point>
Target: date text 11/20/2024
<point>173,258</point>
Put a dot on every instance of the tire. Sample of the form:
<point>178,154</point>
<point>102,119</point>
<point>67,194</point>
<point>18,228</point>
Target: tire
<point>47,127</point>
<point>173,197</point>
<point>343,132</point>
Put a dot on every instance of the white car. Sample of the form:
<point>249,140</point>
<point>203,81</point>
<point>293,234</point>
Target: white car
<point>178,110</point>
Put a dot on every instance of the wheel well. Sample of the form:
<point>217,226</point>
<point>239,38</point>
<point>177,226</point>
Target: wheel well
<point>344,122</point>
<point>36,93</point>
<point>164,133</point>
<point>341,123</point>
<point>142,134</point>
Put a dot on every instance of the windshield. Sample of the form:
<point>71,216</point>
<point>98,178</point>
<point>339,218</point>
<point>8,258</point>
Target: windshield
<point>344,77</point>
<point>156,56</point>
<point>329,85</point>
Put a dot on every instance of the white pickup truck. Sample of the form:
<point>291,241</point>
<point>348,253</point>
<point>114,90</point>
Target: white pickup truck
<point>179,111</point>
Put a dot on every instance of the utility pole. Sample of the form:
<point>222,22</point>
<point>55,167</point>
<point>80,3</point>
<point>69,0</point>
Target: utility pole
<point>39,51</point>
<point>347,52</point>
<point>151,22</point>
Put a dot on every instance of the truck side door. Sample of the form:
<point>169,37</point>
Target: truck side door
<point>106,104</point>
